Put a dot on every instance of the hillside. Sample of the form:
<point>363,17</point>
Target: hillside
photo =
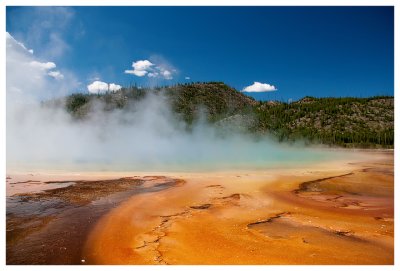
<point>346,122</point>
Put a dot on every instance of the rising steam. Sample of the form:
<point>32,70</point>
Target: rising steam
<point>146,136</point>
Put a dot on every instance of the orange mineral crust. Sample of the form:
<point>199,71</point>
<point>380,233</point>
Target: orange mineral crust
<point>336,213</point>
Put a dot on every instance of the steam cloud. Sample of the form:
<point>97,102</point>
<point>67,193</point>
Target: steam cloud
<point>146,136</point>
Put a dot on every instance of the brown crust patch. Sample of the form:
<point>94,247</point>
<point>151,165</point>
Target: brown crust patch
<point>50,227</point>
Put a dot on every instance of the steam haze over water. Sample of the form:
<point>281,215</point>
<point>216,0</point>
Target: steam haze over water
<point>147,137</point>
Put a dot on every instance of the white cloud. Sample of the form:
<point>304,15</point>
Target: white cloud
<point>47,66</point>
<point>152,70</point>
<point>137,73</point>
<point>140,68</point>
<point>43,65</point>
<point>114,87</point>
<point>56,75</point>
<point>13,42</point>
<point>142,65</point>
<point>30,78</point>
<point>187,78</point>
<point>259,87</point>
<point>97,87</point>
<point>102,87</point>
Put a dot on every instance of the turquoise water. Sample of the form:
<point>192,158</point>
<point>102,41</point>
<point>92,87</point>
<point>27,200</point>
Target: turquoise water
<point>236,158</point>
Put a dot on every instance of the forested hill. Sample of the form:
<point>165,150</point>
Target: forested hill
<point>346,122</point>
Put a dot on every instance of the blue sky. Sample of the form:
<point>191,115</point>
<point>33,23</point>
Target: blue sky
<point>317,51</point>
